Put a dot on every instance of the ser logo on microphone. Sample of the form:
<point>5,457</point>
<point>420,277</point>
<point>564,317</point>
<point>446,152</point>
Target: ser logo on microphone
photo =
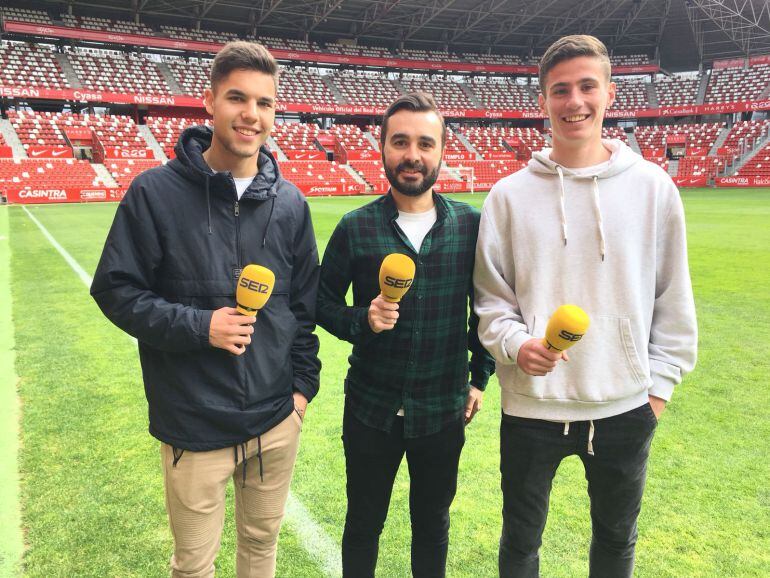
<point>568,336</point>
<point>399,283</point>
<point>252,285</point>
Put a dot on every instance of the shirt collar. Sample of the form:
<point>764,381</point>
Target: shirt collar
<point>391,211</point>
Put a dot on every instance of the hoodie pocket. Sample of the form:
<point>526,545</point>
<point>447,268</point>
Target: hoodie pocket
<point>604,365</point>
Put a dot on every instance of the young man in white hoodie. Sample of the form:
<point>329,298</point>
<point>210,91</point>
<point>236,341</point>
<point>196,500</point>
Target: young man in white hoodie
<point>591,223</point>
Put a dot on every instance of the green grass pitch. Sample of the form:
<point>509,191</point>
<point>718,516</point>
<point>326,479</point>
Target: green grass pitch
<point>91,489</point>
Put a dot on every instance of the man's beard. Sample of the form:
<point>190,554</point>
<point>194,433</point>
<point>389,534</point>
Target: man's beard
<point>412,189</point>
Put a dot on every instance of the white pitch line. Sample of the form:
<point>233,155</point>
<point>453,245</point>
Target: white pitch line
<point>316,542</point>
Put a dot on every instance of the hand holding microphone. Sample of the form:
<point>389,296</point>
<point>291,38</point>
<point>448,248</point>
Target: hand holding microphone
<point>396,277</point>
<point>565,328</point>
<point>231,327</point>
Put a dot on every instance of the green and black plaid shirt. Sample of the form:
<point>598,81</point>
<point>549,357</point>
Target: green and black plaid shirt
<point>421,364</point>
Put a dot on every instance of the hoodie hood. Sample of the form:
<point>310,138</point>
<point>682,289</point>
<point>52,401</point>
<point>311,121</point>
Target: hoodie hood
<point>621,159</point>
<point>189,162</point>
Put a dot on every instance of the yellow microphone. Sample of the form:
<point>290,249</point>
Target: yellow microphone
<point>255,285</point>
<point>565,328</point>
<point>396,276</point>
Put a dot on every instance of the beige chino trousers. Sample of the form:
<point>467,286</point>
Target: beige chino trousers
<point>195,501</point>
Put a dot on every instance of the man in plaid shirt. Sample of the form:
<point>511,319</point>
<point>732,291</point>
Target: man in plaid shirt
<point>407,389</point>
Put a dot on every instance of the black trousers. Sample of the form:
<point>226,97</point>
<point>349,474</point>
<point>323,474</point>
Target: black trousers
<point>530,453</point>
<point>372,458</point>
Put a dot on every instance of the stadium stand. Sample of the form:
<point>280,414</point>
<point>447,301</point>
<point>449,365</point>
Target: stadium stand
<point>124,171</point>
<point>614,132</point>
<point>303,85</point>
<point>192,77</point>
<point>166,130</point>
<point>743,134</point>
<point>476,57</point>
<point>503,94</point>
<point>351,137</point>
<point>27,15</point>
<point>448,94</point>
<point>738,84</point>
<point>357,50</point>
<point>489,141</point>
<point>33,173</point>
<point>119,26</point>
<point>373,173</point>
<point>201,35</point>
<point>487,173</point>
<point>118,71</point>
<point>697,136</point>
<point>114,72</point>
<point>758,165</point>
<point>30,65</point>
<point>296,137</point>
<point>308,174</point>
<point>365,88</point>
<point>696,166</point>
<point>629,59</point>
<point>677,90</point>
<point>630,95</point>
<point>47,129</point>
<point>416,54</point>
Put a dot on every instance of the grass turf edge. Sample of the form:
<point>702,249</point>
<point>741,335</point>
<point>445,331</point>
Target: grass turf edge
<point>11,538</point>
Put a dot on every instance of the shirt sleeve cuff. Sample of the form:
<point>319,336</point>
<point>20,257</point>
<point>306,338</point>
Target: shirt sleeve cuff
<point>514,343</point>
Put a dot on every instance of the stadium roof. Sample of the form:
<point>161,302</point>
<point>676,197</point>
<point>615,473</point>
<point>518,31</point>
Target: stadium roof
<point>681,33</point>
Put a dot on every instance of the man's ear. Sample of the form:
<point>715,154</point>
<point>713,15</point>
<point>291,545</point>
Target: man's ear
<point>208,101</point>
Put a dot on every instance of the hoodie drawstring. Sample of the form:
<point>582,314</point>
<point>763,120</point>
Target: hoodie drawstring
<point>598,210</point>
<point>590,435</point>
<point>208,201</point>
<point>269,217</point>
<point>563,210</point>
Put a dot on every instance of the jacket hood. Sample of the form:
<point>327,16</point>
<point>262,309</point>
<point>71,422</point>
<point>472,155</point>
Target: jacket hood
<point>190,163</point>
<point>621,160</point>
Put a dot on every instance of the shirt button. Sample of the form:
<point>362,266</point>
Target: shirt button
<point>419,296</point>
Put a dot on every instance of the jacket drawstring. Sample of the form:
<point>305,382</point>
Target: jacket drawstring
<point>598,210</point>
<point>208,201</point>
<point>269,217</point>
<point>561,200</point>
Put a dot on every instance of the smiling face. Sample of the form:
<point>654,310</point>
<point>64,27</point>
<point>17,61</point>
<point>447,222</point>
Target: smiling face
<point>412,150</point>
<point>575,97</point>
<point>242,105</point>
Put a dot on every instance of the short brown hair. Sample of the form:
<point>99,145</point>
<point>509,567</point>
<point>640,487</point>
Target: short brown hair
<point>572,47</point>
<point>243,55</point>
<point>414,102</point>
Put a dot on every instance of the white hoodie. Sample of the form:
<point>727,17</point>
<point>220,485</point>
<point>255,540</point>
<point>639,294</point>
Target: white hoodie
<point>612,243</point>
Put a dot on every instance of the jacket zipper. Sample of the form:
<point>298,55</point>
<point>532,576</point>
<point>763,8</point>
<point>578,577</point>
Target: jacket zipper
<point>237,213</point>
<point>238,235</point>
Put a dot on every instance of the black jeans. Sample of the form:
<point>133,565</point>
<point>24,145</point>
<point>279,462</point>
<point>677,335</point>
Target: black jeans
<point>530,453</point>
<point>372,458</point>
